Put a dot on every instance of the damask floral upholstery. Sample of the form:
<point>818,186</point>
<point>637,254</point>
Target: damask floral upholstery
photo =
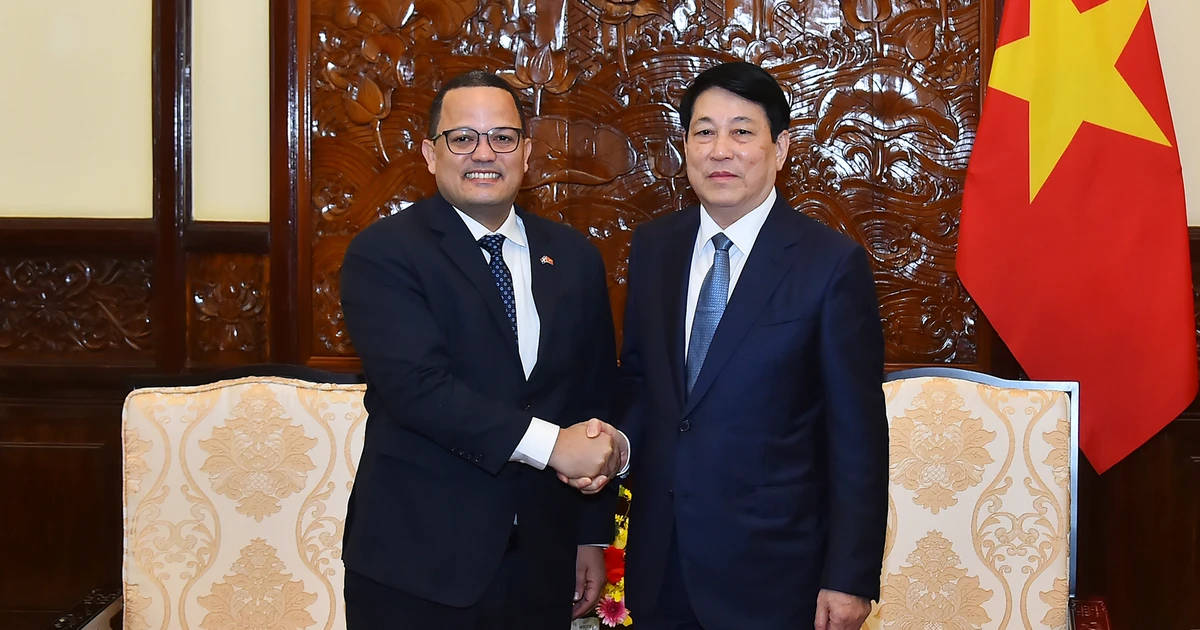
<point>979,513</point>
<point>235,499</point>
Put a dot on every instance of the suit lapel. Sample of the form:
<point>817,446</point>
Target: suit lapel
<point>761,274</point>
<point>545,282</point>
<point>677,262</point>
<point>468,257</point>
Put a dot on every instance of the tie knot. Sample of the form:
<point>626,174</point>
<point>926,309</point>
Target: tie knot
<point>721,242</point>
<point>493,243</point>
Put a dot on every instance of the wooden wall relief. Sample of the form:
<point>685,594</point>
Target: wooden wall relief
<point>76,310</point>
<point>227,309</point>
<point>884,93</point>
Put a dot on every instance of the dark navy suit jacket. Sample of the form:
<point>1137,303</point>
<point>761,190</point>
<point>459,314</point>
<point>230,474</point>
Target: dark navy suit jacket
<point>774,470</point>
<point>435,495</point>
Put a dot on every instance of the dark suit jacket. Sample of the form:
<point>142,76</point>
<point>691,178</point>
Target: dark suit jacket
<point>774,470</point>
<point>435,495</point>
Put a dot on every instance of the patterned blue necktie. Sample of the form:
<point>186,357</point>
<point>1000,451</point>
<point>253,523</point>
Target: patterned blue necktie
<point>493,244</point>
<point>714,293</point>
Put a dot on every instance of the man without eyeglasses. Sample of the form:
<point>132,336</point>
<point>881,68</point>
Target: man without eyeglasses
<point>487,340</point>
<point>751,391</point>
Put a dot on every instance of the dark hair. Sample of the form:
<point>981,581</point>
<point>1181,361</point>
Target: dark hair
<point>747,81</point>
<point>474,78</point>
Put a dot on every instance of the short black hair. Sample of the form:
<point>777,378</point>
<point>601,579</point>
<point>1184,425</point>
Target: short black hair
<point>474,78</point>
<point>746,80</point>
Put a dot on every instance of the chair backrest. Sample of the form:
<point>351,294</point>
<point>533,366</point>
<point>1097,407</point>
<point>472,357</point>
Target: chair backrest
<point>235,499</point>
<point>981,530</point>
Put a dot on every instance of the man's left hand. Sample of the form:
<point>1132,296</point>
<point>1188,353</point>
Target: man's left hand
<point>841,611</point>
<point>589,578</point>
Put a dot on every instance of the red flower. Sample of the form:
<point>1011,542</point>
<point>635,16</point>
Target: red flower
<point>614,563</point>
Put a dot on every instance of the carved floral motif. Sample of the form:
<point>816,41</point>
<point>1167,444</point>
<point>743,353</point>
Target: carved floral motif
<point>885,103</point>
<point>68,307</point>
<point>228,308</point>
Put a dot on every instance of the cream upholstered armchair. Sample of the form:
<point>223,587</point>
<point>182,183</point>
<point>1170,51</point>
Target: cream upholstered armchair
<point>981,528</point>
<point>235,500</point>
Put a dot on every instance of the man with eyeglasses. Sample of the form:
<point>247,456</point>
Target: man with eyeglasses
<point>487,339</point>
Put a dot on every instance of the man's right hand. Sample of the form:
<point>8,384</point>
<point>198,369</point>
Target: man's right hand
<point>594,484</point>
<point>577,455</point>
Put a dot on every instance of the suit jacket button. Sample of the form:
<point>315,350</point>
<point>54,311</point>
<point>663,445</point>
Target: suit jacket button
<point>684,425</point>
<point>478,459</point>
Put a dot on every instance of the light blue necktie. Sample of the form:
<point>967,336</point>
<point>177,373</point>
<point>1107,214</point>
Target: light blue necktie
<point>714,293</point>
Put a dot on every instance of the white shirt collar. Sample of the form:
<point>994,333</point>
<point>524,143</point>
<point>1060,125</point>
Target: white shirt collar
<point>742,232</point>
<point>512,229</point>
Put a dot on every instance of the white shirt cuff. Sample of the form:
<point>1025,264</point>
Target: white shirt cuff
<point>537,444</point>
<point>629,459</point>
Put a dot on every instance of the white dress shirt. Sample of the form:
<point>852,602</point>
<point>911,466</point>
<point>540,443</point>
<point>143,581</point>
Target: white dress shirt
<point>538,442</point>
<point>742,233</point>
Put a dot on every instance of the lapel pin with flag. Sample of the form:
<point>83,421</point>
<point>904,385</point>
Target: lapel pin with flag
<point>546,260</point>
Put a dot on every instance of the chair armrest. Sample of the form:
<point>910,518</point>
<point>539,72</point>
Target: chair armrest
<point>1090,613</point>
<point>99,610</point>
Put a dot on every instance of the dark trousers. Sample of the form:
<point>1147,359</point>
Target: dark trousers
<point>674,609</point>
<point>505,605</point>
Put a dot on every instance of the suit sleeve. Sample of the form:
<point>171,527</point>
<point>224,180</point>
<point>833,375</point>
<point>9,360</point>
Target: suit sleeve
<point>408,364</point>
<point>629,397</point>
<point>852,363</point>
<point>596,524</point>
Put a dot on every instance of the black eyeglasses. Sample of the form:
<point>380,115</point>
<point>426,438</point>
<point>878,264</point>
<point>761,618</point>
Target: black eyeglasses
<point>464,140</point>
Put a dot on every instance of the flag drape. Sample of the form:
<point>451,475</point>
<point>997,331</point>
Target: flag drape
<point>1073,236</point>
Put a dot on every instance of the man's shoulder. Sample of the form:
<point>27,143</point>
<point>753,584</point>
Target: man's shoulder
<point>553,228</point>
<point>788,220</point>
<point>668,223</point>
<point>565,239</point>
<point>403,226</point>
<point>816,235</point>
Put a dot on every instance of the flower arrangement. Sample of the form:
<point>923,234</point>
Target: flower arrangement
<point>611,610</point>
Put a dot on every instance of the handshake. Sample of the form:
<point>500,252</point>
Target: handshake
<point>588,454</point>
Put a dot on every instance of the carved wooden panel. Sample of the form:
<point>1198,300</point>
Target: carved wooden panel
<point>74,309</point>
<point>884,93</point>
<point>227,309</point>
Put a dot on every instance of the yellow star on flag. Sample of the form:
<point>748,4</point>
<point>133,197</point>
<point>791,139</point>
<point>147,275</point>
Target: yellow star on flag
<point>1066,69</point>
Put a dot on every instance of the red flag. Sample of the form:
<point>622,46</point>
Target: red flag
<point>1073,239</point>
